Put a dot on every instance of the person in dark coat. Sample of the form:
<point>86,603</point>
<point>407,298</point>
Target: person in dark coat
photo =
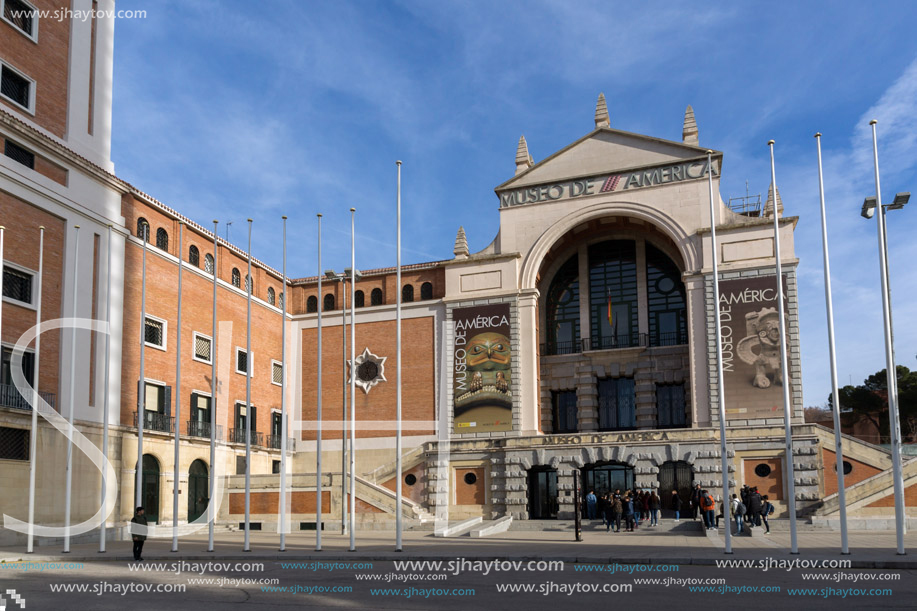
<point>138,534</point>
<point>654,504</point>
<point>617,509</point>
<point>754,507</point>
<point>676,505</point>
<point>695,502</point>
<point>628,506</point>
<point>591,504</point>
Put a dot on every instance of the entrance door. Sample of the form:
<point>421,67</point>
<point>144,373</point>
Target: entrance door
<point>197,490</point>
<point>542,494</point>
<point>675,476</point>
<point>149,488</point>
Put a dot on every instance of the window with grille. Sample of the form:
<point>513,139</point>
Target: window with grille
<point>375,297</point>
<point>208,263</point>
<point>276,372</point>
<point>14,443</point>
<point>202,347</point>
<point>312,304</point>
<point>241,361</point>
<point>407,293</point>
<point>162,239</point>
<point>17,285</point>
<point>359,300</point>
<point>15,87</point>
<point>194,256</point>
<point>564,408</point>
<point>236,278</point>
<point>280,303</point>
<point>617,404</point>
<point>670,405</point>
<point>271,296</point>
<point>248,283</point>
<point>20,15</point>
<point>143,228</point>
<point>19,154</point>
<point>154,333</point>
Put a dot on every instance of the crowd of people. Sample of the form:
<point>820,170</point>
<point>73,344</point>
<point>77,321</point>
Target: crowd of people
<point>633,508</point>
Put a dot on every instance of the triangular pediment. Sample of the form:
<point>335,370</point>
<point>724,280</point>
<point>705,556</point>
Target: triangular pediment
<point>603,151</point>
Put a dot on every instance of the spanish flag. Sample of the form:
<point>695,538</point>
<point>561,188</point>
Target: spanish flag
<point>610,316</point>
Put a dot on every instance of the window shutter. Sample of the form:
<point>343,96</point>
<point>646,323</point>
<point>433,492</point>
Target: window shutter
<point>237,415</point>
<point>254,418</point>
<point>167,401</point>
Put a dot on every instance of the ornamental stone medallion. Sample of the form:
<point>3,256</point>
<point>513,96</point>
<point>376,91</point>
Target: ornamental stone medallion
<point>370,370</point>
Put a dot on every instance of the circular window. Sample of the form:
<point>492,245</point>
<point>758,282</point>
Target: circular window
<point>763,470</point>
<point>665,285</point>
<point>410,479</point>
<point>367,371</point>
<point>470,478</point>
<point>847,468</point>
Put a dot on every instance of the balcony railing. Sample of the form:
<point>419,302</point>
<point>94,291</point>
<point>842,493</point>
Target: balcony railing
<point>10,397</point>
<point>202,429</point>
<point>274,442</point>
<point>154,421</point>
<point>674,338</point>
<point>238,436</point>
<point>614,342</point>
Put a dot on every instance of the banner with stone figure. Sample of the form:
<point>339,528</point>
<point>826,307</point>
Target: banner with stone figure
<point>751,347</point>
<point>482,361</point>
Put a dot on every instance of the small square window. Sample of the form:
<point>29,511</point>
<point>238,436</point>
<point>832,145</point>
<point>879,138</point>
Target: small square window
<point>21,15</point>
<point>154,333</point>
<point>202,348</point>
<point>19,154</point>
<point>17,285</point>
<point>16,87</point>
<point>242,362</point>
<point>276,373</point>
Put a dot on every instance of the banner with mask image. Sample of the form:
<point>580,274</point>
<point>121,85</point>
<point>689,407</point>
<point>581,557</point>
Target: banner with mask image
<point>481,375</point>
<point>751,347</point>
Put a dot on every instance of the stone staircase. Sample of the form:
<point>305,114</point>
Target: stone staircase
<point>382,498</point>
<point>385,472</point>
<point>869,490</point>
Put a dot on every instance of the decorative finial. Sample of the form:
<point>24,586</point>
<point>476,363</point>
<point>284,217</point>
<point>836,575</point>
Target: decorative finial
<point>689,131</point>
<point>769,204</point>
<point>601,112</point>
<point>523,159</point>
<point>461,244</point>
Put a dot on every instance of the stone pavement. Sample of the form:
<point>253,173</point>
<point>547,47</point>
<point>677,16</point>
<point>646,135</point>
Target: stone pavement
<point>685,546</point>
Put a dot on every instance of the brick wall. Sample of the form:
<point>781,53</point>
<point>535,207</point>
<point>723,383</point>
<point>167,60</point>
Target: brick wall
<point>860,472</point>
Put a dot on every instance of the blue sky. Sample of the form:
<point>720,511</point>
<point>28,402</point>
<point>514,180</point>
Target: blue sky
<point>301,107</point>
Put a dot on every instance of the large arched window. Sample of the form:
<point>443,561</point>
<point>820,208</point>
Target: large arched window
<point>194,256</point>
<point>426,290</point>
<point>328,303</point>
<point>208,263</point>
<point>162,239</point>
<point>613,294</point>
<point>311,304</point>
<point>143,228</point>
<point>665,300</point>
<point>236,277</point>
<point>563,326</point>
<point>407,293</point>
<point>375,297</point>
<point>359,300</point>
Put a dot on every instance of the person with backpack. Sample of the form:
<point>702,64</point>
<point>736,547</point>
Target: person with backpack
<point>737,509</point>
<point>676,505</point>
<point>768,510</point>
<point>755,508</point>
<point>708,506</point>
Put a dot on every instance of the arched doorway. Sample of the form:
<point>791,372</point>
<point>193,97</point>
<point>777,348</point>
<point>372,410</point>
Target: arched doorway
<point>542,493</point>
<point>605,477</point>
<point>149,488</point>
<point>675,475</point>
<point>197,490</point>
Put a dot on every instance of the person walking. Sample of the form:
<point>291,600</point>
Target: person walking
<point>654,508</point>
<point>138,533</point>
<point>708,506</point>
<point>608,511</point>
<point>676,505</point>
<point>755,507</point>
<point>695,502</point>
<point>603,509</point>
<point>617,508</point>
<point>737,510</point>
<point>591,503</point>
<point>768,510</point>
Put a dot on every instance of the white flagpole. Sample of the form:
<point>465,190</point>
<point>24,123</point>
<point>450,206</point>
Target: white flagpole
<point>838,445</point>
<point>720,384</point>
<point>33,437</point>
<point>102,530</point>
<point>283,397</point>
<point>69,486</point>
<point>211,518</point>
<point>318,399</point>
<point>398,475</point>
<point>178,353</point>
<point>344,488</point>
<point>141,385</point>
<point>353,380</point>
<point>784,367</point>
<point>249,286</point>
<point>890,368</point>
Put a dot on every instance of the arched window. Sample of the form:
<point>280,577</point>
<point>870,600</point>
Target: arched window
<point>665,294</point>
<point>162,239</point>
<point>328,304</point>
<point>236,277</point>
<point>426,290</point>
<point>563,332</point>
<point>311,304</point>
<point>407,293</point>
<point>375,298</point>
<point>613,294</point>
<point>208,263</point>
<point>248,283</point>
<point>143,228</point>
<point>271,298</point>
<point>194,256</point>
<point>280,300</point>
<point>359,299</point>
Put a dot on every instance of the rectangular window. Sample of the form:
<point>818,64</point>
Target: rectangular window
<point>564,408</point>
<point>276,373</point>
<point>9,396</point>
<point>670,405</point>
<point>157,407</point>
<point>14,443</point>
<point>16,88</point>
<point>21,16</point>
<point>202,348</point>
<point>617,403</point>
<point>199,422</point>
<point>19,154</point>
<point>17,285</point>
<point>242,362</point>
<point>154,333</point>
